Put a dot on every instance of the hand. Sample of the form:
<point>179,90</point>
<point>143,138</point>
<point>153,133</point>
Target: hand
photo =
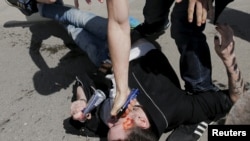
<point>225,47</point>
<point>76,4</point>
<point>76,110</point>
<point>130,107</point>
<point>89,1</point>
<point>119,101</point>
<point>201,10</point>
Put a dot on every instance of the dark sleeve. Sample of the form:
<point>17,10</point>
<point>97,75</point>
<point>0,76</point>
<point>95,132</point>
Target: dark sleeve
<point>192,109</point>
<point>210,105</point>
<point>156,63</point>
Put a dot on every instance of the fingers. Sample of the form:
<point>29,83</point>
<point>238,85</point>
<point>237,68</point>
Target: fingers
<point>191,6</point>
<point>201,7</point>
<point>119,102</point>
<point>129,108</point>
<point>81,117</point>
<point>77,106</point>
<point>131,105</point>
<point>224,47</point>
<point>78,116</point>
<point>120,99</point>
<point>226,33</point>
<point>178,1</point>
<point>204,15</point>
<point>76,4</point>
<point>89,1</point>
<point>225,30</point>
<point>199,13</point>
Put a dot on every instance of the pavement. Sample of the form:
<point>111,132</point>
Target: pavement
<point>37,70</point>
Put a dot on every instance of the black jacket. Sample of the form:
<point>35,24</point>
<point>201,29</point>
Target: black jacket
<point>165,103</point>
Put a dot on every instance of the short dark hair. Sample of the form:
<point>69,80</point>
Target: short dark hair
<point>140,134</point>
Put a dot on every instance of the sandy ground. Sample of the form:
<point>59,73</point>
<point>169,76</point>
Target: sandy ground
<point>37,70</point>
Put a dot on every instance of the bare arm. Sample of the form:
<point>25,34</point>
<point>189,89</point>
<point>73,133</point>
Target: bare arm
<point>119,47</point>
<point>239,113</point>
<point>225,50</point>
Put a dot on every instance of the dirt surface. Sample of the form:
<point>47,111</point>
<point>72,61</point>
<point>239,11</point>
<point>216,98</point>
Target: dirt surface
<point>38,70</point>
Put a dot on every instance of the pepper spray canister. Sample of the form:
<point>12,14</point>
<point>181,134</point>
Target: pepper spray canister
<point>95,100</point>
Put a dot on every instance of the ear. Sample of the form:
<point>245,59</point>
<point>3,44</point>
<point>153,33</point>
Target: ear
<point>143,122</point>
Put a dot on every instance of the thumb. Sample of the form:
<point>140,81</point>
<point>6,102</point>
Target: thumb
<point>116,107</point>
<point>78,116</point>
<point>118,103</point>
<point>178,1</point>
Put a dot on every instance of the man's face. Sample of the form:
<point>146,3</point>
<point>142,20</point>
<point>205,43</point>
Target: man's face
<point>119,129</point>
<point>116,130</point>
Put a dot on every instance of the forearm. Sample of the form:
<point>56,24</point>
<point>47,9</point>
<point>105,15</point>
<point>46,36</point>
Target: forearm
<point>239,113</point>
<point>119,47</point>
<point>225,50</point>
<point>119,52</point>
<point>119,41</point>
<point>235,79</point>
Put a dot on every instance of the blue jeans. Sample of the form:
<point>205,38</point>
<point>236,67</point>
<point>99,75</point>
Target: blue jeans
<point>87,30</point>
<point>195,60</point>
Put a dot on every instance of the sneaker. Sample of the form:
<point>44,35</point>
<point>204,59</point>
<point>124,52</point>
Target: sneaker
<point>147,30</point>
<point>27,7</point>
<point>189,132</point>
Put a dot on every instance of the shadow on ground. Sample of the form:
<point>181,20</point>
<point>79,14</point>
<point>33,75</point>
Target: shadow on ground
<point>48,80</point>
<point>74,63</point>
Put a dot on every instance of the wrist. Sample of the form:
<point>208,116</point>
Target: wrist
<point>83,99</point>
<point>229,61</point>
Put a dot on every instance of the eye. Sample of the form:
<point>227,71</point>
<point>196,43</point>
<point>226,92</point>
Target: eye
<point>137,107</point>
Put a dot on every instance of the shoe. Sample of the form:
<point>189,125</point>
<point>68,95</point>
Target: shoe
<point>27,7</point>
<point>146,29</point>
<point>189,132</point>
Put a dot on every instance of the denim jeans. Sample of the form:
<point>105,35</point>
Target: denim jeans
<point>87,30</point>
<point>195,60</point>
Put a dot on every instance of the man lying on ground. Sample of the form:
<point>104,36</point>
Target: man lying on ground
<point>164,107</point>
<point>159,108</point>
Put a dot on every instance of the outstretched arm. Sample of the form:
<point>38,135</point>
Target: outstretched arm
<point>119,47</point>
<point>78,105</point>
<point>225,50</point>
